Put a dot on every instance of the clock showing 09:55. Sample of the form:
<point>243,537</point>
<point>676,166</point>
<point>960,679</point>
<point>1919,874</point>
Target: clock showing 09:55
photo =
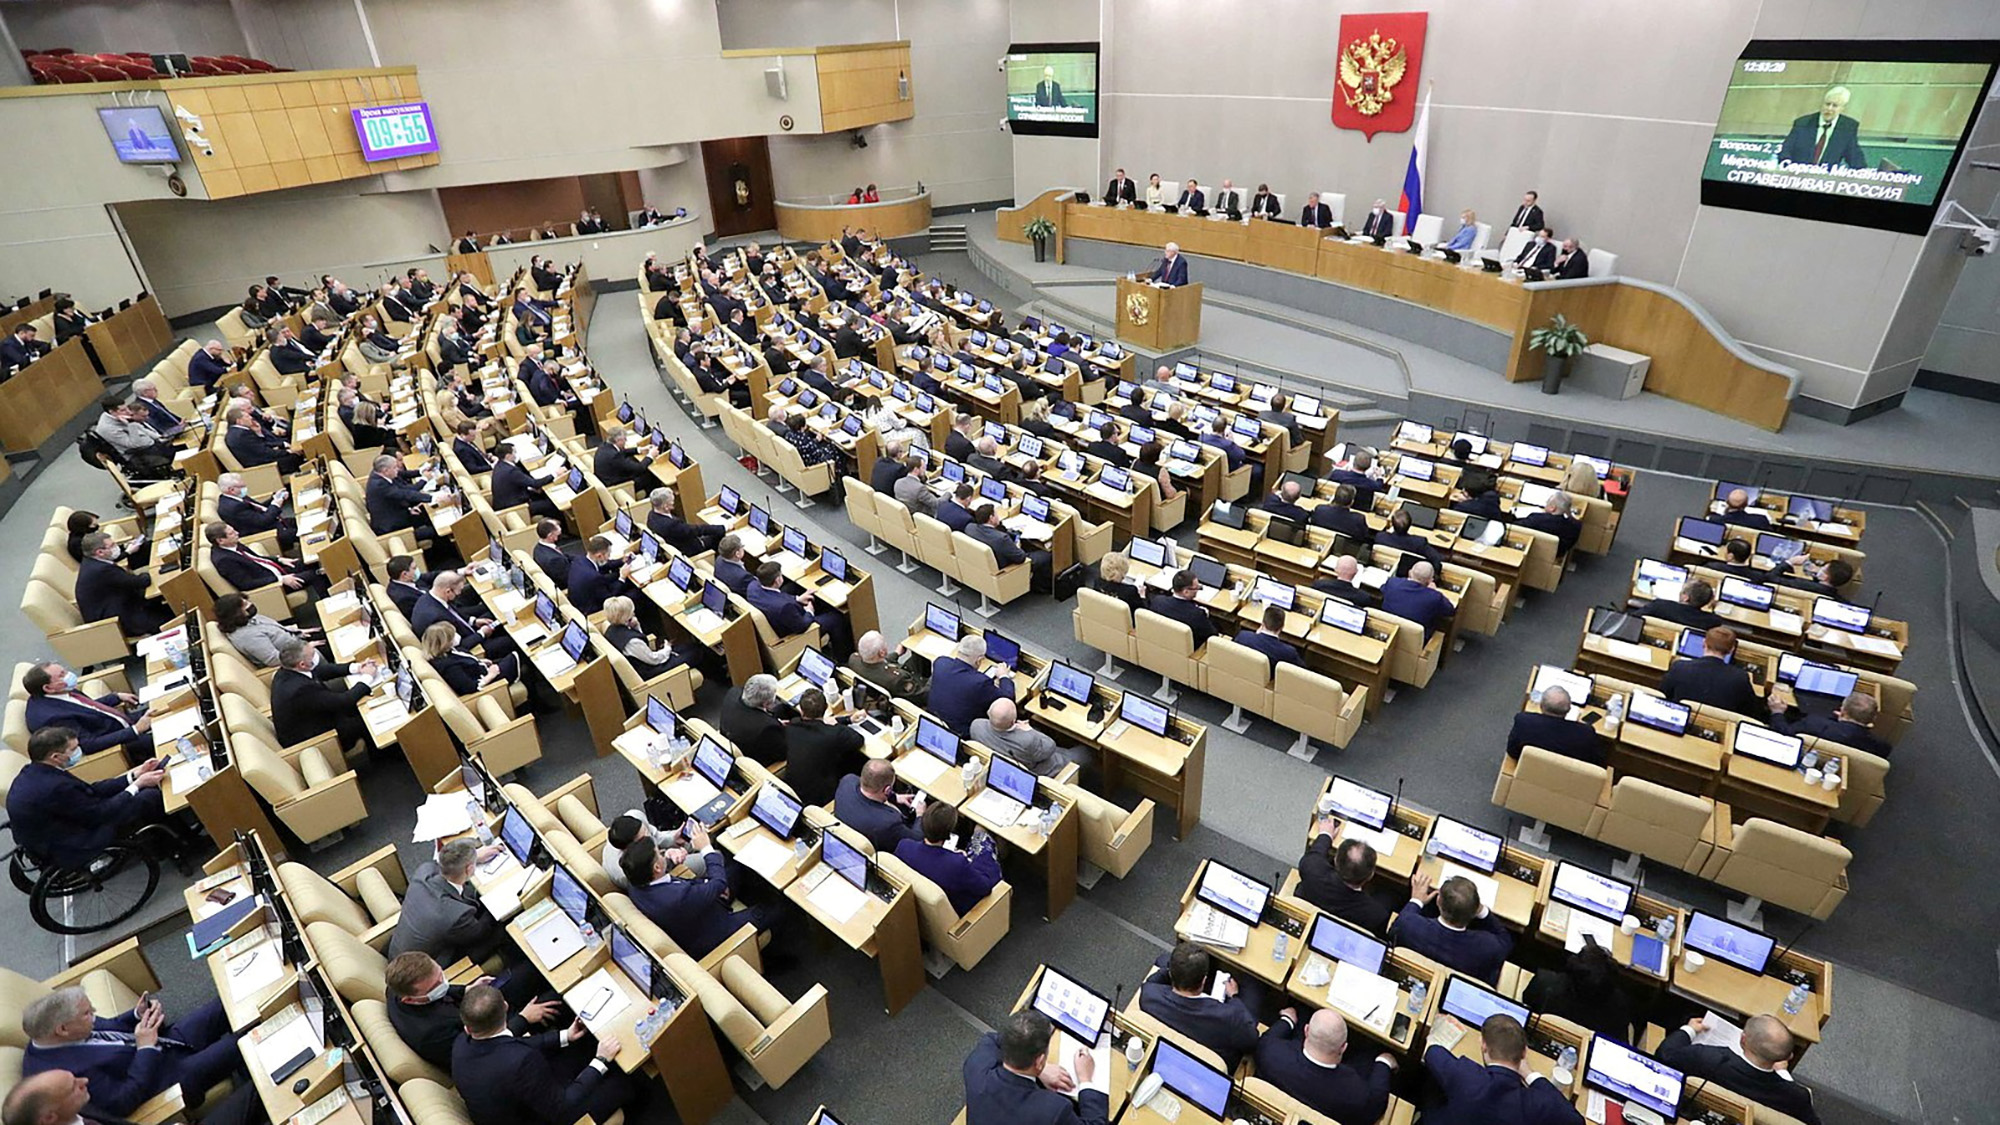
<point>391,131</point>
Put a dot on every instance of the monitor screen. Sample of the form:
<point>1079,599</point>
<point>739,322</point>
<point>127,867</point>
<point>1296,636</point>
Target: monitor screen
<point>1659,573</point>
<point>815,667</point>
<point>1465,844</point>
<point>1071,683</point>
<point>390,132</point>
<point>1728,942</point>
<point>1807,508</point>
<point>1008,778</point>
<point>1864,132</point>
<point>952,471</point>
<point>1822,679</point>
<point>576,480</point>
<point>712,761</point>
<point>1767,745</point>
<point>844,858</point>
<point>1002,651</point>
<point>1358,803</point>
<point>1703,531</point>
<point>992,489</point>
<point>1736,591</point>
<point>1272,592</point>
<point>1416,433</point>
<point>1692,644</point>
<point>517,834</point>
<point>1473,1003</point>
<point>1586,890</point>
<point>1034,507</point>
<point>1148,551</point>
<point>660,718</point>
<point>1415,468</point>
<point>1209,572</point>
<point>1071,1006</point>
<point>760,520</point>
<point>1233,892</point>
<point>1116,479</point>
<point>574,641</point>
<point>1347,945</point>
<point>1779,549</point>
<point>776,809</point>
<point>941,621</point>
<point>545,610</point>
<point>795,542</point>
<point>632,960</point>
<point>937,740</point>
<point>1191,1078</point>
<point>1184,451</point>
<point>622,524</point>
<point>680,572</point>
<point>1030,445</point>
<point>1145,713</point>
<point>1618,1070</point>
<point>139,134</point>
<point>715,598</point>
<point>1839,615</point>
<point>1527,454</point>
<point>570,895</point>
<point>728,500</point>
<point>1660,714</point>
<point>1339,614</point>
<point>834,563</point>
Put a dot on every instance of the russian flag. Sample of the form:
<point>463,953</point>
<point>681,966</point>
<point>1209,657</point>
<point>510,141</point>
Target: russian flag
<point>1412,202</point>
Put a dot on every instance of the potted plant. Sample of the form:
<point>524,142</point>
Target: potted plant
<point>1561,342</point>
<point>1039,231</point>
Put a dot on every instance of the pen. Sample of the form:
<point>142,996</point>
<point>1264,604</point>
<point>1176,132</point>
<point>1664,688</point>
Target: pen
<point>1370,1017</point>
<point>238,970</point>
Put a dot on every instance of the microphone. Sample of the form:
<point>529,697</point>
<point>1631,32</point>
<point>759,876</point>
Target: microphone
<point>1779,956</point>
<point>1396,802</point>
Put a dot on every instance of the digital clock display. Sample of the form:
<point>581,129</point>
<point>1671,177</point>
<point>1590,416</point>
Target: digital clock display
<point>391,131</point>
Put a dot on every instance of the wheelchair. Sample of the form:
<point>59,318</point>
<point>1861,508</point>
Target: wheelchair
<point>90,898</point>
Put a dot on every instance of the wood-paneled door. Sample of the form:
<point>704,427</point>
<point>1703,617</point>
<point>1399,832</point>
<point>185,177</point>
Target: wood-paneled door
<point>740,194</point>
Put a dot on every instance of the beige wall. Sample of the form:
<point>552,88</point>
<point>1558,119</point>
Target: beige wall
<point>680,184</point>
<point>194,27</point>
<point>1041,163</point>
<point>305,34</point>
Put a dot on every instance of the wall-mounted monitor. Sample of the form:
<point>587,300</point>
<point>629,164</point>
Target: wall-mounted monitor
<point>1052,89</point>
<point>391,131</point>
<point>1861,132</point>
<point>140,134</point>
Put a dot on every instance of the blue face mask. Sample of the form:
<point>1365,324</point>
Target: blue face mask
<point>69,681</point>
<point>75,758</point>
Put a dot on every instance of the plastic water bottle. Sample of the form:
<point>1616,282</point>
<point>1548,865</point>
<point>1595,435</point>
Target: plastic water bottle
<point>1278,947</point>
<point>1567,1060</point>
<point>1666,930</point>
<point>1419,992</point>
<point>1796,999</point>
<point>589,934</point>
<point>968,774</point>
<point>1810,760</point>
<point>479,825</point>
<point>1049,817</point>
<point>1614,714</point>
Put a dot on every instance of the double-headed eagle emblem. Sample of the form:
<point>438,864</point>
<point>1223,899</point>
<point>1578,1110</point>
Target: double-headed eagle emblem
<point>1138,310</point>
<point>1369,71</point>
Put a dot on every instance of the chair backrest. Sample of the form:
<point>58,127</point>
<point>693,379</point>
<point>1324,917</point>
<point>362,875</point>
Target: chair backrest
<point>1817,858</point>
<point>433,1103</point>
<point>50,611</point>
<point>1169,637</point>
<point>1101,613</point>
<point>976,558</point>
<point>1336,202</point>
<point>1512,244</point>
<point>1867,784</point>
<point>738,1023</point>
<point>1558,773</point>
<point>1480,240</point>
<point>1655,821</point>
<point>399,1062</point>
<point>1428,229</point>
<point>581,822</point>
<point>1603,263</point>
<point>271,776</point>
<point>1237,673</point>
<point>315,898</point>
<point>352,966</point>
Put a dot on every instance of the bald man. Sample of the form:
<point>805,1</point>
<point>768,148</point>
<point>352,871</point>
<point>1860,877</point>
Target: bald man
<point>1736,511</point>
<point>1310,1068</point>
<point>1343,584</point>
<point>1761,1071</point>
<point>1003,730</point>
<point>1417,598</point>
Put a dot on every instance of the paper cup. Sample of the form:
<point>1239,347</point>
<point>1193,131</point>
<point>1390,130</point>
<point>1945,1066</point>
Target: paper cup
<point>1830,781</point>
<point>1814,777</point>
<point>1628,925</point>
<point>1692,961</point>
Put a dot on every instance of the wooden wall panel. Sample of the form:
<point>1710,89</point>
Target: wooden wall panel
<point>858,85</point>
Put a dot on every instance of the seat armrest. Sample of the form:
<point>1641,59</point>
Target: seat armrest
<point>125,961</point>
<point>167,1105</point>
<point>742,943</point>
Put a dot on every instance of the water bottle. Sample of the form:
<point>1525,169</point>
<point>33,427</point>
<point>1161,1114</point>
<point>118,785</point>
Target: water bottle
<point>1419,992</point>
<point>1614,714</point>
<point>177,654</point>
<point>679,749</point>
<point>1049,817</point>
<point>1810,760</point>
<point>1666,930</point>
<point>1566,1062</point>
<point>589,934</point>
<point>479,825</point>
<point>1796,999</point>
<point>1278,947</point>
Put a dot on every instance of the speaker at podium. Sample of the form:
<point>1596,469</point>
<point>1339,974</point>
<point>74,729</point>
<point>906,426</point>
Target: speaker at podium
<point>1158,319</point>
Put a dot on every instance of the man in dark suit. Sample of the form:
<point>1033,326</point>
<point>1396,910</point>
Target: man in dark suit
<point>1710,679</point>
<point>1555,519</point>
<point>465,444</point>
<point>1311,1068</point>
<point>1695,608</point>
<point>1571,261</point>
<point>247,569</point>
<point>1417,598</point>
<point>1344,583</point>
<point>958,440</point>
<point>317,334</point>
<point>514,485</point>
<point>819,751</point>
<point>252,516</point>
<point>753,719</point>
<point>290,356</point>
<point>960,692</point>
<point>209,364</point>
<point>106,589</point>
<point>1269,639</point>
<point>1173,269</point>
<point>1539,253</point>
<point>728,565</point>
<point>1176,994</point>
<point>130,1057</point>
<point>442,914</point>
<point>985,527</point>
<point>1264,204</point>
<point>424,1007</point>
<point>1761,1071</point>
<point>394,501</point>
<point>1736,563</point>
<point>55,700</point>
<point>791,614</point>
<point>1121,189</point>
<point>614,464</point>
<point>1380,222</point>
<point>592,578</point>
<point>1500,1089</point>
<point>164,421</point>
<point>1335,879</point>
<point>683,536</point>
<point>693,911</point>
<point>1009,1081</point>
<point>510,1080</point>
<point>1828,137</point>
<point>1398,536</point>
<point>1459,934</point>
<point>1049,92</point>
<point>252,446</point>
<point>1315,214</point>
<point>1179,604</point>
<point>303,706</point>
<point>21,349</point>
<point>1553,730</point>
<point>1736,511</point>
<point>1848,725</point>
<point>547,555</point>
<point>404,593</point>
<point>1528,215</point>
<point>1339,516</point>
<point>868,803</point>
<point>60,818</point>
<point>954,511</point>
<point>1192,199</point>
<point>965,876</point>
<point>1284,501</point>
<point>1228,198</point>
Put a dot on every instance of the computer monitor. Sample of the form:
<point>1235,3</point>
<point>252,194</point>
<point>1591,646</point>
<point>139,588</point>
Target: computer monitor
<point>1003,774</point>
<point>1142,435</point>
<point>1462,843</point>
<point>633,960</point>
<point>1692,644</point>
<point>833,563</point>
<point>1415,468</point>
<point>650,547</point>
<point>993,489</point>
<point>545,610</point>
<point>1597,465</point>
<point>937,740</point>
<point>1232,892</point>
<point>1249,429</point>
<point>1423,517</point>
<point>941,621</point>
<point>1116,479</point>
<point>570,895</point>
<point>1002,651</point>
<point>1767,745</point>
<point>1657,713</point>
<point>1836,614</point>
<point>1341,615</point>
<point>1224,383</point>
<point>1700,530</point>
<point>1148,551</point>
<point>1416,433</point>
<point>574,642</point>
<point>1656,572</point>
<point>951,471</point>
<point>1144,713</point>
<point>776,809</point>
<point>680,572</point>
<point>1751,595</point>
<point>1034,507</point>
<point>795,542</point>
<point>496,553</point>
<point>517,834</point>
<point>1526,454</point>
<point>575,480</point>
<point>1779,549</point>
<point>1359,803</point>
<point>1184,451</point>
<point>713,761</point>
<point>1590,892</point>
<point>1617,1070</point>
<point>1728,942</point>
<point>1824,679</point>
<point>1807,508</point>
<point>1031,446</point>
<point>1071,682</point>
<point>1198,1082</point>
<point>1186,372</point>
<point>715,598</point>
<point>845,859</point>
<point>660,718</point>
<point>851,425</point>
<point>760,520</point>
<point>1209,572</point>
<point>728,500</point>
<point>815,667</point>
<point>1070,1006</point>
<point>622,524</point>
<point>1724,488</point>
<point>1476,441</point>
<point>1331,937</point>
<point>1472,1003</point>
<point>1270,591</point>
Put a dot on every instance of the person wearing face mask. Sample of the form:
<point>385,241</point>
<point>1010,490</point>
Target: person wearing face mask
<point>614,463</point>
<point>423,1006</point>
<point>55,699</point>
<point>304,706</point>
<point>61,819</point>
<point>1380,223</point>
<point>1539,254</point>
<point>377,346</point>
<point>442,913</point>
<point>105,588</point>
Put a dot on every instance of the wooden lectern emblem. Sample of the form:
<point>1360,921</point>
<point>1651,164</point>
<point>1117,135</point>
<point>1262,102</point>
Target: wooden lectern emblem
<point>1138,308</point>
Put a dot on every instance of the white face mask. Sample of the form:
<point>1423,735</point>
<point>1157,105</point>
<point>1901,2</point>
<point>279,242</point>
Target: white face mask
<point>438,993</point>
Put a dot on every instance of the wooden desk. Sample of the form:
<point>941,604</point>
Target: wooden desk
<point>1122,1077</point>
<point>1260,956</point>
<point>46,395</point>
<point>885,931</point>
<point>129,338</point>
<point>823,222</point>
<point>1733,992</point>
<point>1396,1029</point>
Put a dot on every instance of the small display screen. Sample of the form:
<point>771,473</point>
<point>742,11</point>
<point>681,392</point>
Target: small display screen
<point>1473,1004</point>
<point>1144,713</point>
<point>570,895</point>
<point>937,740</point>
<point>1011,779</point>
<point>1465,844</point>
<point>1733,944</point>
<point>1072,683</point>
<point>845,859</point>
<point>1585,889</point>
<point>1767,745</point>
<point>1071,1006</point>
<point>1233,892</point>
<point>941,621</point>
<point>1347,945</point>
<point>776,810</point>
<point>1618,1070</point>
<point>1359,803</point>
<point>1191,1078</point>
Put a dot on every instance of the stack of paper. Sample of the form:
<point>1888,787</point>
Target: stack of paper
<point>1487,885</point>
<point>1361,994</point>
<point>1383,840</point>
<point>1583,923</point>
<point>765,856</point>
<point>837,898</point>
<point>921,767</point>
<point>441,815</point>
<point>176,726</point>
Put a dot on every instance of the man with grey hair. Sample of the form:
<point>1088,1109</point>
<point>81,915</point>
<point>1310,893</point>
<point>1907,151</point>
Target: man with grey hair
<point>442,914</point>
<point>130,1057</point>
<point>960,690</point>
<point>680,534</point>
<point>1002,729</point>
<point>252,516</point>
<point>1550,728</point>
<point>753,717</point>
<point>986,458</point>
<point>482,633</point>
<point>1828,138</point>
<point>303,704</point>
<point>894,673</point>
<point>396,499</point>
<point>1310,1069</point>
<point>1556,520</point>
<point>161,417</point>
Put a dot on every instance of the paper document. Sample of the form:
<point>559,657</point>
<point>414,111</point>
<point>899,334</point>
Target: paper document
<point>184,776</point>
<point>765,856</point>
<point>336,604</point>
<point>504,898</point>
<point>553,662</point>
<point>1210,926</point>
<point>348,638</point>
<point>921,767</point>
<point>598,1000</point>
<point>555,940</point>
<point>1784,620</point>
<point>1068,1045</point>
<point>441,815</point>
<point>1583,923</point>
<point>252,972</point>
<point>171,683</point>
<point>1718,1031</point>
<point>994,807</point>
<point>284,1038</point>
<point>701,620</point>
<point>1373,577</point>
<point>1383,840</point>
<point>1488,886</point>
<point>1880,646</point>
<point>837,898</point>
<point>1362,995</point>
<point>176,726</point>
<point>1630,651</point>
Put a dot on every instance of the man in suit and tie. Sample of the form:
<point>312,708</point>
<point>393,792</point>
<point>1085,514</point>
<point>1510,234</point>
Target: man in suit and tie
<point>247,569</point>
<point>1380,223</point>
<point>1335,878</point>
<point>466,445</point>
<point>1460,933</point>
<point>1311,1067</point>
<point>1228,199</point>
<point>1711,679</point>
<point>683,536</point>
<point>424,1007</point>
<point>55,700</point>
<point>955,511</point>
<point>1499,1089</point>
<point>1049,92</point>
<point>395,501</point>
<point>789,614</point>
<point>965,875</point>
<point>1555,519</point>
<point>694,911</point>
<point>728,565</point>
<point>304,706</point>
<point>614,463</point>
<point>482,633</point>
<point>1264,204</point>
<point>1010,1080</point>
<point>507,1079</point>
<point>104,589</point>
<point>1528,216</point>
<point>1400,536</point>
<point>253,446</point>
<point>1736,512</point>
<point>442,914</point>
<point>130,1057</point>
<point>960,691</point>
<point>1285,502</point>
<point>985,527</point>
<point>1539,253</point>
<point>1179,604</point>
<point>1550,728</point>
<point>1356,474</point>
<point>164,421</point>
<point>1177,994</point>
<point>290,356</point>
<point>1338,515</point>
<point>1343,584</point>
<point>209,364</point>
<point>1268,638</point>
<point>252,516</point>
<point>61,819</point>
<point>868,803</point>
<point>513,485</point>
<point>402,587</point>
<point>21,349</point>
<point>1694,609</point>
<point>1571,262</point>
<point>1850,724</point>
<point>1121,189</point>
<point>547,555</point>
<point>592,579</point>
<point>1192,199</point>
<point>1828,138</point>
<point>1315,214</point>
<point>1759,1069</point>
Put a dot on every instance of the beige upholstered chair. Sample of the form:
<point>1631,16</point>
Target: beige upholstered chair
<point>980,569</point>
<point>1111,838</point>
<point>965,939</point>
<point>1773,862</point>
<point>1413,658</point>
<point>1166,646</point>
<point>78,643</point>
<point>774,1035</point>
<point>936,548</point>
<point>1867,782</point>
<point>400,1062</point>
<point>310,798</point>
<point>1239,676</point>
<point>1553,789</point>
<point>1316,705</point>
<point>1651,820</point>
<point>370,913</point>
<point>1105,624</point>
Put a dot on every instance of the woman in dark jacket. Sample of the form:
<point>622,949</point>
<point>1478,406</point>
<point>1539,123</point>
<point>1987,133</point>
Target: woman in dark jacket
<point>1585,990</point>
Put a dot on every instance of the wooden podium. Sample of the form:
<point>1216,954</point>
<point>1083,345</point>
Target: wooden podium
<point>1156,319</point>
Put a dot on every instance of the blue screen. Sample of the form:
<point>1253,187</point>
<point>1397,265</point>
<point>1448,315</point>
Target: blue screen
<point>517,834</point>
<point>1746,949</point>
<point>834,563</point>
<point>712,761</point>
<point>715,598</point>
<point>1347,944</point>
<point>638,967</point>
<point>1473,1004</point>
<point>937,740</point>
<point>1000,650</point>
<point>842,857</point>
<point>660,717</point>
<point>1073,683</point>
<point>570,895</point>
<point>1191,1078</point>
<point>1011,779</point>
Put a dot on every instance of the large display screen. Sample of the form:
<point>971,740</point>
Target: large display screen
<point>391,131</point>
<point>139,134</point>
<point>1052,89</point>
<point>1863,132</point>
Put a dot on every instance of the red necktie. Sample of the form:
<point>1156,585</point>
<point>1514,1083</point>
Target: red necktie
<point>276,570</point>
<point>1825,131</point>
<point>96,706</point>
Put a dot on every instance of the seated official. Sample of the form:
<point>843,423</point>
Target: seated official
<point>395,499</point>
<point>1585,990</point>
<point>130,1057</point>
<point>687,538</point>
<point>1500,1087</point>
<point>252,446</point>
<point>482,633</point>
<point>1268,638</point>
<point>1007,551</point>
<point>442,913</point>
<point>1826,579</point>
<point>1335,879</point>
<point>1310,1068</point>
<point>1459,934</point>
<point>1571,262</point>
<point>463,671</point>
<point>1009,1079</point>
<point>1556,519</point>
<point>1177,994</point>
<point>1694,609</point>
<point>1553,730</point>
<point>58,1097</point>
<point>82,523</point>
<point>1237,456</point>
<point>510,1080</point>
<point>966,876</point>
<point>159,415</point>
<point>1736,511</point>
<point>1710,679</point>
<point>553,561</point>
<point>1339,516</point>
<point>513,485</point>
<point>1417,598</point>
<point>55,700</point>
<point>1380,222</point>
<point>1466,234</point>
<point>123,426</point>
<point>105,589</point>
<point>290,355</point>
<point>694,910</point>
<point>402,588</point>
<point>955,511</point>
<point>60,819</point>
<point>1539,253</point>
<point>1850,724</point>
<point>624,831</point>
<point>1485,505</point>
<point>958,441</point>
<point>247,569</point>
<point>912,488</point>
<point>252,516</point>
<point>1001,729</point>
<point>1264,204</point>
<point>593,580</point>
<point>1345,583</point>
<point>209,364</point>
<point>892,672</point>
<point>1285,503</point>
<point>255,637</point>
<point>728,565</point>
<point>1113,580</point>
<point>753,719</point>
<point>1179,604</point>
<point>1315,214</point>
<point>820,750</point>
<point>303,706</point>
<point>868,803</point>
<point>791,614</point>
<point>960,692</point>
<point>21,349</point>
<point>614,463</point>
<point>1399,537</point>
<point>1760,1069</point>
<point>791,427</point>
<point>465,446</point>
<point>424,1007</point>
<point>889,465</point>
<point>1357,472</point>
<point>621,628</point>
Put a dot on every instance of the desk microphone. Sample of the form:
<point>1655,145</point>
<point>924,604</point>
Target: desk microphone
<point>1396,802</point>
<point>1779,956</point>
